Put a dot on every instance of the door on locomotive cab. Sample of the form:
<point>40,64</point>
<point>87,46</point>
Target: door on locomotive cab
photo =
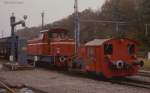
<point>108,52</point>
<point>53,38</point>
<point>91,58</point>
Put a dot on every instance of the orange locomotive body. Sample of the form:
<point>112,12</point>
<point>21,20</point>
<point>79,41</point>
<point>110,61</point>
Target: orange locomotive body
<point>111,57</point>
<point>52,46</point>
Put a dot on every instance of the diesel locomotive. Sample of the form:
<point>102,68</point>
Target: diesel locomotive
<point>52,46</point>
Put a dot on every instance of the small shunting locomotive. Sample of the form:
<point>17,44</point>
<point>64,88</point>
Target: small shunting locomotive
<point>112,57</point>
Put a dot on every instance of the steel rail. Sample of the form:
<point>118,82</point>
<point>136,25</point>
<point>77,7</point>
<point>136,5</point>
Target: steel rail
<point>131,82</point>
<point>145,74</point>
<point>7,87</point>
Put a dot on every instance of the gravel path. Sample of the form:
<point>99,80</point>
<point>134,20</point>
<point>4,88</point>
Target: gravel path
<point>54,82</point>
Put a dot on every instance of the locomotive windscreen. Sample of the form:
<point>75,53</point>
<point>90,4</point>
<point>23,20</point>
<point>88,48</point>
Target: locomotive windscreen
<point>108,49</point>
<point>131,48</point>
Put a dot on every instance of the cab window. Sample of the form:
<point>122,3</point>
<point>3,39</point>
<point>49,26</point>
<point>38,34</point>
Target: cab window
<point>54,35</point>
<point>131,48</point>
<point>108,49</point>
<point>41,36</point>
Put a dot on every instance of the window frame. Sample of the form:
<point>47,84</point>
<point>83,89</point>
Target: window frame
<point>108,51</point>
<point>41,35</point>
<point>131,49</point>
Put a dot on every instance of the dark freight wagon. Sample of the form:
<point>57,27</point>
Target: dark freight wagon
<point>5,47</point>
<point>20,49</point>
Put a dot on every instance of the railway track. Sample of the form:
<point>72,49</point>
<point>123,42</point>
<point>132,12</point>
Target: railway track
<point>17,89</point>
<point>145,74</point>
<point>121,81</point>
<point>131,82</point>
<point>10,90</point>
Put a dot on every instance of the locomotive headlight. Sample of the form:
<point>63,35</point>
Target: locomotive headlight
<point>119,64</point>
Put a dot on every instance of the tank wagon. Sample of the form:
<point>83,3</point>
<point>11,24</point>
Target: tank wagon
<point>115,57</point>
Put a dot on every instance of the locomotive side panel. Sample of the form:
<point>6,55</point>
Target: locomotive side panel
<point>94,60</point>
<point>38,48</point>
<point>62,48</point>
<point>90,59</point>
<point>99,59</point>
<point>39,51</point>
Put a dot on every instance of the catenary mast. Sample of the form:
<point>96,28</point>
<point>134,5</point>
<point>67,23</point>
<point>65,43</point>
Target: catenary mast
<point>76,27</point>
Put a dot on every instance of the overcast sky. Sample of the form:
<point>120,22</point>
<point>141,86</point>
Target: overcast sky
<point>54,10</point>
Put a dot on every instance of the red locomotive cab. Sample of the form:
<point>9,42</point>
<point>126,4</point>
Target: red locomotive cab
<point>112,57</point>
<point>53,46</point>
<point>38,46</point>
<point>60,43</point>
<point>62,47</point>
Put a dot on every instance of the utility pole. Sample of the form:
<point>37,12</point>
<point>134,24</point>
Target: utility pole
<point>77,27</point>
<point>2,33</point>
<point>146,27</point>
<point>12,22</point>
<point>42,15</point>
<point>117,27</point>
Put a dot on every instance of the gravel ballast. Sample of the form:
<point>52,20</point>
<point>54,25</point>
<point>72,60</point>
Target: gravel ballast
<point>55,82</point>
